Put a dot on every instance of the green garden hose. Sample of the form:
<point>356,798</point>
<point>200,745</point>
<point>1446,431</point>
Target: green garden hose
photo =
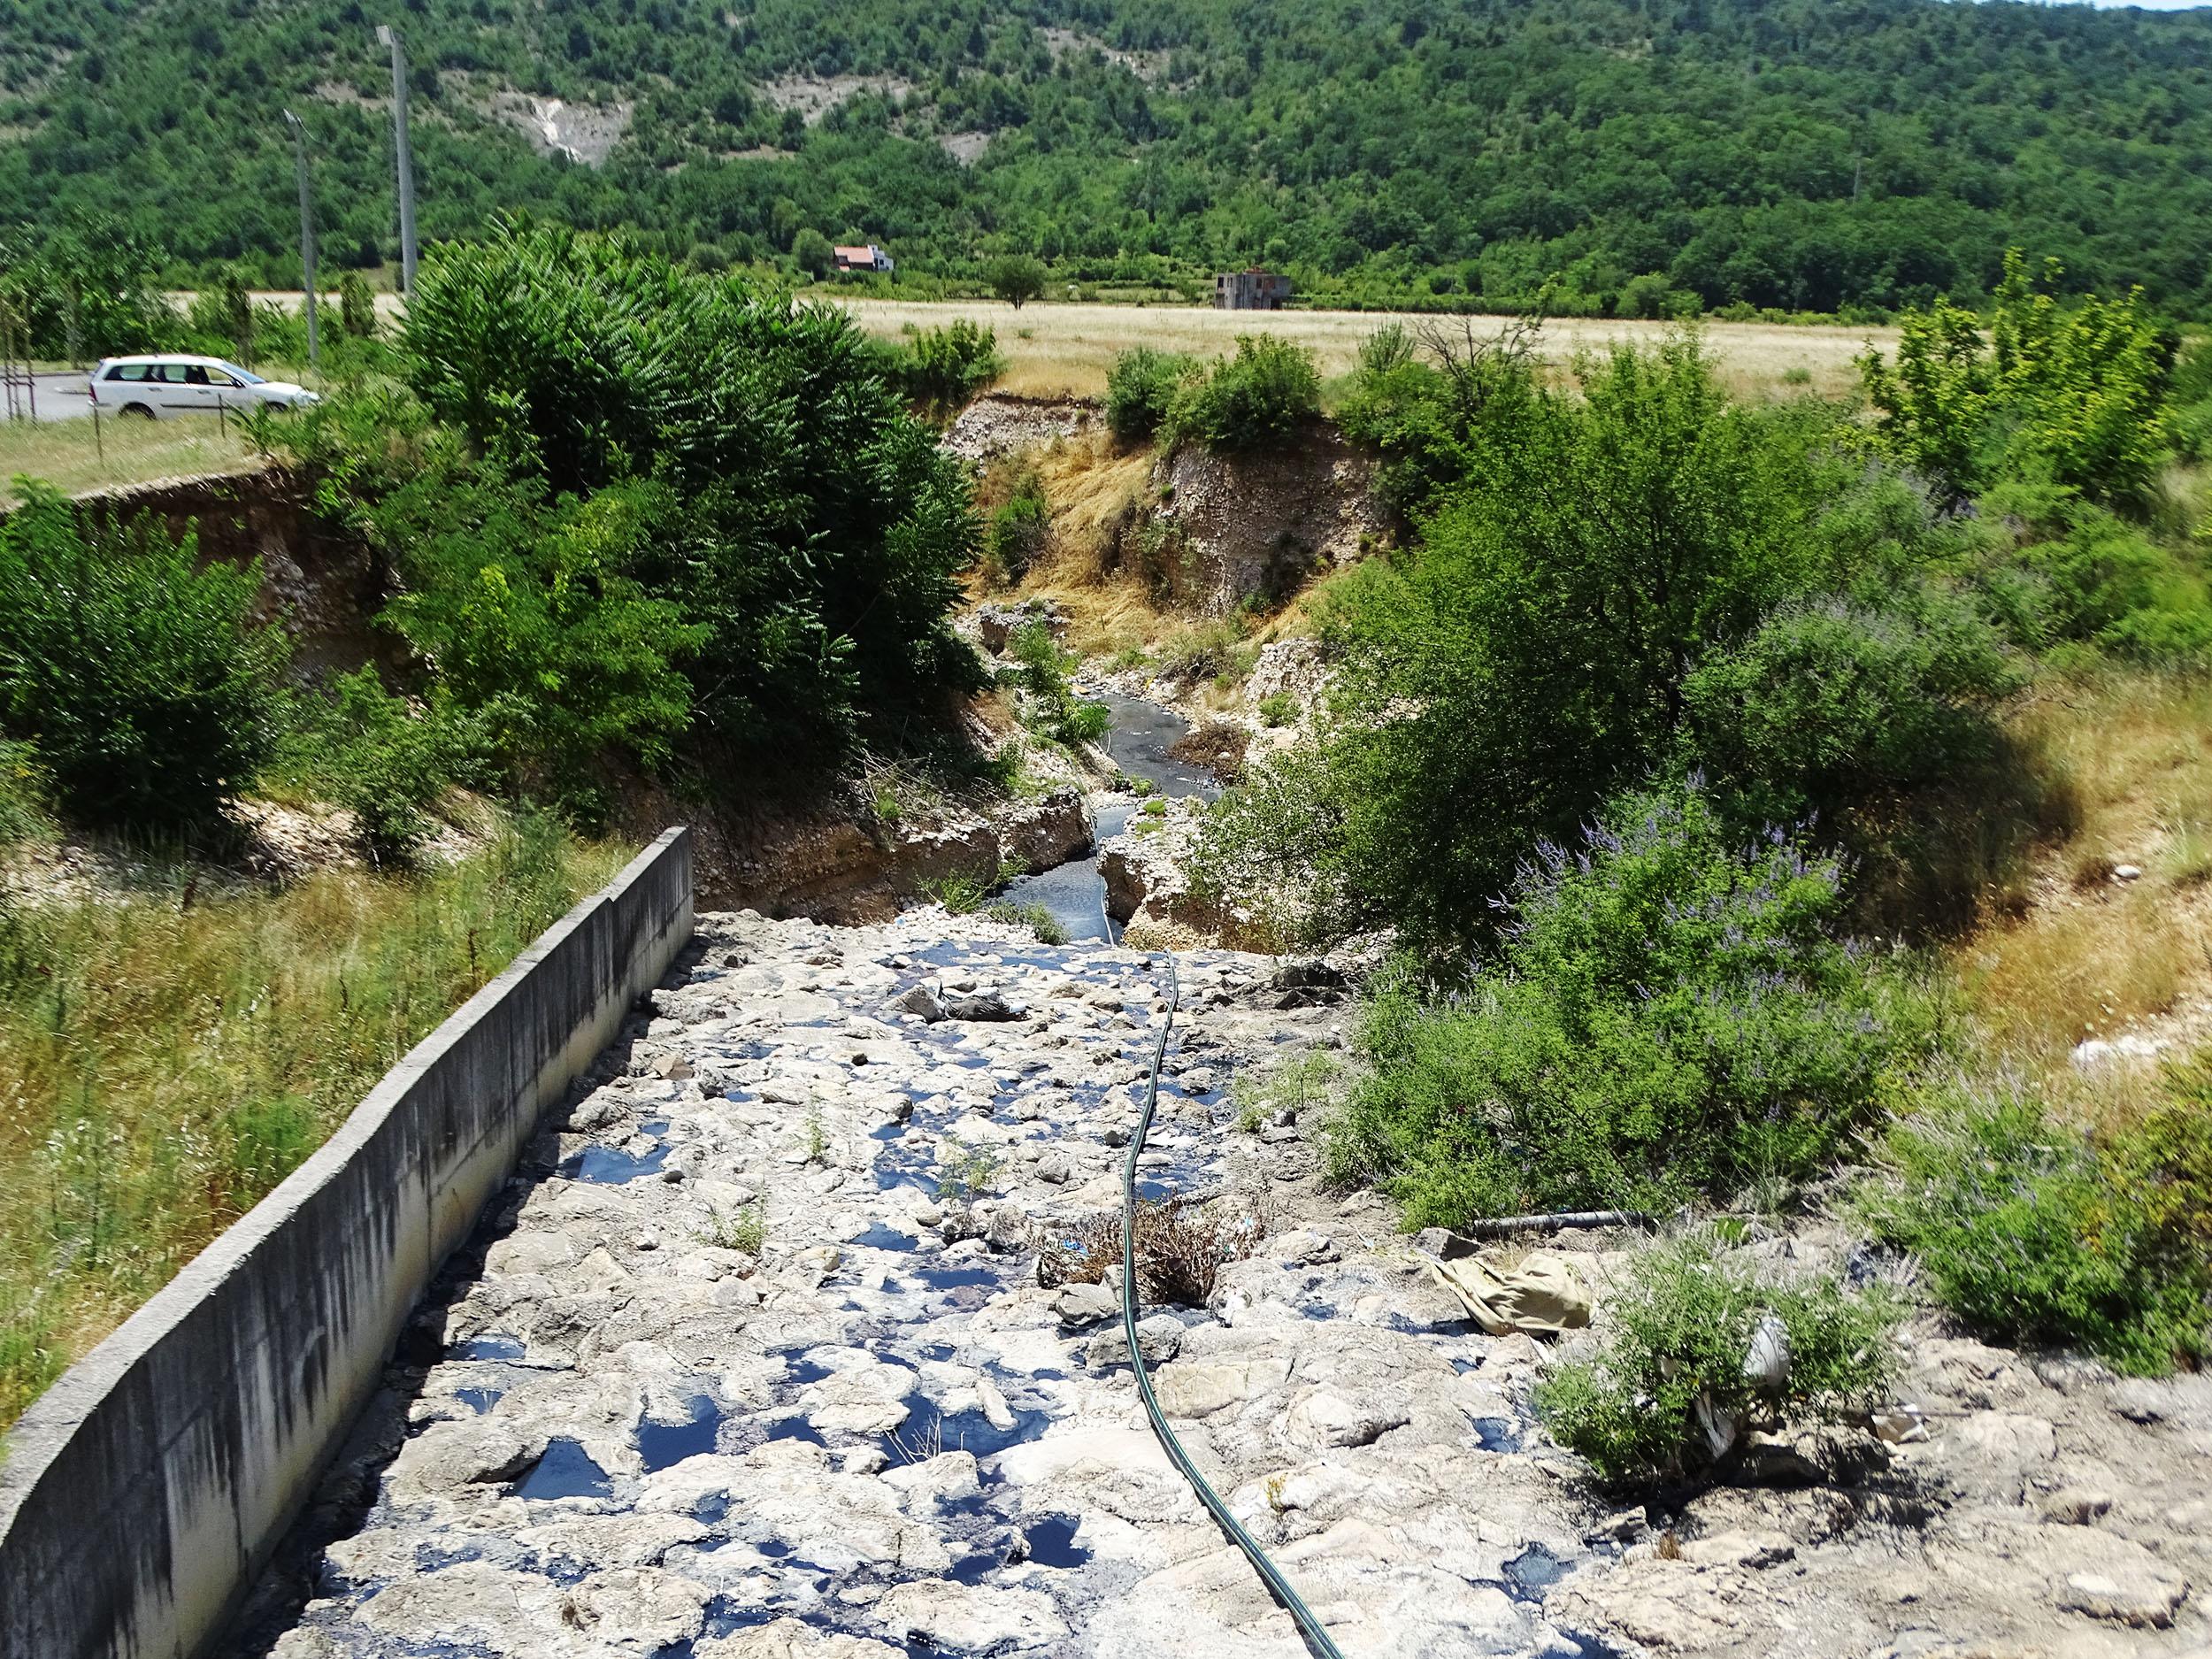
<point>1316,1638</point>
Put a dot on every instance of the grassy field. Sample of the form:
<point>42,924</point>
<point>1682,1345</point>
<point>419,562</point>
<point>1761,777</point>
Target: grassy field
<point>165,1058</point>
<point>1065,349</point>
<point>65,453</point>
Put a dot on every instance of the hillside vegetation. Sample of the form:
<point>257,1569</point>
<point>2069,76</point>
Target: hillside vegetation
<point>1803,155</point>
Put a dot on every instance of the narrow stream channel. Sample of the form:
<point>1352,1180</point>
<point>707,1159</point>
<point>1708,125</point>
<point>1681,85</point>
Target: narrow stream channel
<point>1139,740</point>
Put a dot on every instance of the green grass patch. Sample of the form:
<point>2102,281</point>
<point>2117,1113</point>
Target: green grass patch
<point>166,1059</point>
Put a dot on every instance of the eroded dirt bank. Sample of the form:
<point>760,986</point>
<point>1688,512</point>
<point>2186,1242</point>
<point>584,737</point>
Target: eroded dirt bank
<point>629,1425</point>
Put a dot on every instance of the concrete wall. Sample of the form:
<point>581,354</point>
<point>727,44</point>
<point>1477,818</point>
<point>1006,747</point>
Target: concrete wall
<point>143,1492</point>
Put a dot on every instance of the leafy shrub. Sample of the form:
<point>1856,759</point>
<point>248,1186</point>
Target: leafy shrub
<point>2031,1232</point>
<point>941,369</point>
<point>1141,388</point>
<point>142,679</point>
<point>539,628</point>
<point>1279,709</point>
<point>1667,1016</point>
<point>1260,399</point>
<point>2076,575</point>
<point>1018,531</point>
<point>360,748</point>
<point>1497,682</point>
<point>1052,707</point>
<point>1827,704</point>
<point>1667,1391</point>
<point>794,557</point>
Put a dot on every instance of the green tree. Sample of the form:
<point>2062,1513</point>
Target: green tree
<point>2068,393</point>
<point>811,252</point>
<point>1017,279</point>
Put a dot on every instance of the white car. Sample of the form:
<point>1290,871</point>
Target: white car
<point>156,387</point>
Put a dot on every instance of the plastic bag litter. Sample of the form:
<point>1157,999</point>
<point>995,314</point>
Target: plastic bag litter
<point>1540,1295</point>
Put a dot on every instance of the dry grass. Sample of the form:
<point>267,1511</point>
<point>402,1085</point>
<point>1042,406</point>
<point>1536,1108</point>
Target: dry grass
<point>1061,350</point>
<point>166,1059</point>
<point>1091,570</point>
<point>2091,956</point>
<point>64,452</point>
<point>1180,1246</point>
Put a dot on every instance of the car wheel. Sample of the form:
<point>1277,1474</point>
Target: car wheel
<point>142,410</point>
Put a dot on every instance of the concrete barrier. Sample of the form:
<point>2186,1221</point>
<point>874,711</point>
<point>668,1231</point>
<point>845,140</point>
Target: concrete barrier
<point>143,1492</point>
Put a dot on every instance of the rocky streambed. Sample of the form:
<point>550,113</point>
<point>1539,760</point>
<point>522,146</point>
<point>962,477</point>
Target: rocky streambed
<point>628,1425</point>
<point>753,1360</point>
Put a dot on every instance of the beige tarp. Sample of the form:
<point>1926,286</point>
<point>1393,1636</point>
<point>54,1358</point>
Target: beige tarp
<point>1540,1295</point>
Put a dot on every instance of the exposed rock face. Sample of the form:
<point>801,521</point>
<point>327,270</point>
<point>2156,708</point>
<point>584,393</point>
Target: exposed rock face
<point>994,624</point>
<point>838,868</point>
<point>998,423</point>
<point>1148,889</point>
<point>1262,525</point>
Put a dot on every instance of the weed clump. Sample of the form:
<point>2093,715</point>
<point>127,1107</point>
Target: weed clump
<point>1035,917</point>
<point>1703,1349</point>
<point>1180,1248</point>
<point>2033,1232</point>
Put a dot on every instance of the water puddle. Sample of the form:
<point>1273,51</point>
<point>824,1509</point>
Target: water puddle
<point>1532,1571</point>
<point>479,1400</point>
<point>611,1166</point>
<point>566,1471</point>
<point>1497,1434</point>
<point>1051,1542</point>
<point>956,1277</point>
<point>879,1237</point>
<point>491,1344</point>
<point>664,1444</point>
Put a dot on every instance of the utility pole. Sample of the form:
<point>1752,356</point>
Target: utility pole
<point>307,231</point>
<point>387,36</point>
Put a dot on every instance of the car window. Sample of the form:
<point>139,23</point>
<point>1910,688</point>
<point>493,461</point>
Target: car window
<point>217,377</point>
<point>175,373</point>
<point>242,377</point>
<point>128,372</point>
<point>196,374</point>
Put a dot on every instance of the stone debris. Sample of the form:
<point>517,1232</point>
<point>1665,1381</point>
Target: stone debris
<point>809,1398</point>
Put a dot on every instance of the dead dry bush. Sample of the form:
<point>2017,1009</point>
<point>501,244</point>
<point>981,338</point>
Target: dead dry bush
<point>1217,746</point>
<point>1180,1246</point>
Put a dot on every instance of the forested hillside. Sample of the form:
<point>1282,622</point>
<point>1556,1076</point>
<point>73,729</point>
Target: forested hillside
<point>1806,154</point>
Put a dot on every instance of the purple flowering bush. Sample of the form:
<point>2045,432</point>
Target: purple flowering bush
<point>1670,1013</point>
